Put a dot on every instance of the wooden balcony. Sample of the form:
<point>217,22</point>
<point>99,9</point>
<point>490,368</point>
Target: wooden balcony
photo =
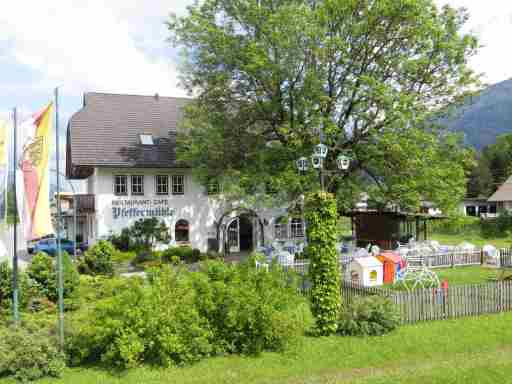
<point>85,203</point>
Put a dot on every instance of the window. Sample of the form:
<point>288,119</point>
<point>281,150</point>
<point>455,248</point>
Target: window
<point>162,184</point>
<point>281,228</point>
<point>297,227</point>
<point>181,231</point>
<point>178,187</point>
<point>146,139</point>
<point>137,185</point>
<point>121,185</point>
<point>471,210</point>
<point>213,187</point>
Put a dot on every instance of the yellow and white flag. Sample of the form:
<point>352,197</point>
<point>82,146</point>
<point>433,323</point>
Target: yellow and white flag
<point>34,183</point>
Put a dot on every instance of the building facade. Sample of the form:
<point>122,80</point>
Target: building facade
<point>124,147</point>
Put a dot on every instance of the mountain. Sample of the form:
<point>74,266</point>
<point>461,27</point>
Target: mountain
<point>486,116</point>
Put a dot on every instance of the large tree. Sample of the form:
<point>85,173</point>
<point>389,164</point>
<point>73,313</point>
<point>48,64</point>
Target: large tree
<point>273,77</point>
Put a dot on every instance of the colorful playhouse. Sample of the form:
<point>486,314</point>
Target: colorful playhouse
<point>392,263</point>
<point>366,271</point>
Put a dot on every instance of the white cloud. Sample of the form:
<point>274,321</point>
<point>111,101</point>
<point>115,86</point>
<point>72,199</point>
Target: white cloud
<point>491,21</point>
<point>119,45</point>
<point>92,45</point>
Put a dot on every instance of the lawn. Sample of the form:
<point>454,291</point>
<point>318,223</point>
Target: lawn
<point>462,275</point>
<point>454,351</point>
<point>472,238</point>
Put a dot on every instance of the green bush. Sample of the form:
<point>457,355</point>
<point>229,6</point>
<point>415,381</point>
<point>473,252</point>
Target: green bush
<point>123,256</point>
<point>145,256</point>
<point>43,270</point>
<point>185,253</point>
<point>196,255</point>
<point>98,259</point>
<point>157,324</point>
<point>122,241</point>
<point>368,316</point>
<point>250,310</point>
<point>501,226</point>
<point>29,355</point>
<point>25,292</point>
<point>456,225</point>
<point>212,255</point>
<point>179,317</point>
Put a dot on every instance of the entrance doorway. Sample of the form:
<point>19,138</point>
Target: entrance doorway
<point>246,234</point>
<point>240,234</point>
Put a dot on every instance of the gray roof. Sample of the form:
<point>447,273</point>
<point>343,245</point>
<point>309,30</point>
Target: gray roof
<point>504,192</point>
<point>105,132</point>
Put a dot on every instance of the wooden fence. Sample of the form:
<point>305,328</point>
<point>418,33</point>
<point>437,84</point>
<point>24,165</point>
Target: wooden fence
<point>454,258</point>
<point>505,258</point>
<point>439,304</point>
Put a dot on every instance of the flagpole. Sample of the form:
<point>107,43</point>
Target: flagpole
<point>15,301</point>
<point>59,253</point>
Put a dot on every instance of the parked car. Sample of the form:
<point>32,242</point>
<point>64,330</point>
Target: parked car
<point>49,246</point>
<point>31,244</point>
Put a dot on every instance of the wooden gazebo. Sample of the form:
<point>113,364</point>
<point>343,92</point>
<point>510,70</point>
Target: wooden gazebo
<point>386,228</point>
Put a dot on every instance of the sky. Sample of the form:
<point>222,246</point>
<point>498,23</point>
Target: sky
<point>121,46</point>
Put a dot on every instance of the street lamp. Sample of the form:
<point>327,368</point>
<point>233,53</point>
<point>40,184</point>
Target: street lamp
<point>317,161</point>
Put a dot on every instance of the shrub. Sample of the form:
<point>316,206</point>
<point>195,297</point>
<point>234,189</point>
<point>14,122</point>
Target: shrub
<point>195,255</point>
<point>368,316</point>
<point>145,256</point>
<point>26,288</point>
<point>157,324</point>
<point>321,217</point>
<point>185,253</point>
<point>98,259</point>
<point>212,255</point>
<point>43,271</point>
<point>123,256</point>
<point>181,317</point>
<point>122,241</point>
<point>457,224</point>
<point>501,226</point>
<point>250,310</point>
<point>29,355</point>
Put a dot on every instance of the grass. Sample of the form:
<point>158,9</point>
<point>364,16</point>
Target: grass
<point>462,275</point>
<point>473,238</point>
<point>454,351</point>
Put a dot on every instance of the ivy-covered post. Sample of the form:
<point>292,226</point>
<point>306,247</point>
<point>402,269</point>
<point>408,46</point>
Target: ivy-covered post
<point>321,229</point>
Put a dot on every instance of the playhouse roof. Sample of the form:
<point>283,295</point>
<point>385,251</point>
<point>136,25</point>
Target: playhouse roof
<point>368,262</point>
<point>391,256</point>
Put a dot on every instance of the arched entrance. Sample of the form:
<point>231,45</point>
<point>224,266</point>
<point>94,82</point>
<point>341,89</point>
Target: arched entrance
<point>240,234</point>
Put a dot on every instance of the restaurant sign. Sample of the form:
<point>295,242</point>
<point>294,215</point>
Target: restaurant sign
<point>138,208</point>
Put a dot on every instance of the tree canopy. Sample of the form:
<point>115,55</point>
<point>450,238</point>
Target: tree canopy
<point>494,166</point>
<point>271,78</point>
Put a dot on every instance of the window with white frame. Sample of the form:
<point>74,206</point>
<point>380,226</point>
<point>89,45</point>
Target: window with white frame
<point>281,228</point>
<point>121,185</point>
<point>138,185</point>
<point>178,184</point>
<point>162,184</point>
<point>297,227</point>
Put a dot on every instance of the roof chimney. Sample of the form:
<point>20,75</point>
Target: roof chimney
<point>156,96</point>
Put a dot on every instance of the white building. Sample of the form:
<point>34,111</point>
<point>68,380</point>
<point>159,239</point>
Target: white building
<point>124,146</point>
